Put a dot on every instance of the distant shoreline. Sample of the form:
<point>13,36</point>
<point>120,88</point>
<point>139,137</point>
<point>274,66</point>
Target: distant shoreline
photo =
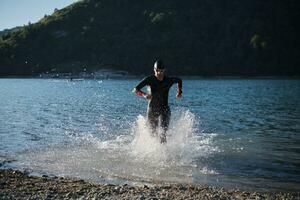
<point>183,77</point>
<point>18,185</point>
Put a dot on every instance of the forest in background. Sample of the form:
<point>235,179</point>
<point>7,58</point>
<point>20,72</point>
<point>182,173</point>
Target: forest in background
<point>192,37</point>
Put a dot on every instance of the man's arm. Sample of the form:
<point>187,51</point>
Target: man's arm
<point>179,86</point>
<point>137,90</point>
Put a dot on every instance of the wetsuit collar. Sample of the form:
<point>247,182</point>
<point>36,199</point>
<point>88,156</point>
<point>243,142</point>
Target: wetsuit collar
<point>160,80</point>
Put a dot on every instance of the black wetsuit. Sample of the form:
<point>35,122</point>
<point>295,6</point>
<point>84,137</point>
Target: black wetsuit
<point>158,105</point>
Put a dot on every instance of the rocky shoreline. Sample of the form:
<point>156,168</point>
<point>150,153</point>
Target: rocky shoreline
<point>19,185</point>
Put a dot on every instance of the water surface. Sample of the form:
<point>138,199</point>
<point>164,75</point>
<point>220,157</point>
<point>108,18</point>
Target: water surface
<point>232,133</point>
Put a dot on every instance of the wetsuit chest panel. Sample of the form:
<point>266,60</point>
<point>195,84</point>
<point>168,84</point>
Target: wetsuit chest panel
<point>160,92</point>
<point>160,87</point>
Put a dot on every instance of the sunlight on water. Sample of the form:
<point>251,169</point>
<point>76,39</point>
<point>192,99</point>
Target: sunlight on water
<point>135,157</point>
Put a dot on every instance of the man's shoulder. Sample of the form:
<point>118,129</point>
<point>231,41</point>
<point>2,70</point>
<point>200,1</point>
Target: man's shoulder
<point>150,77</point>
<point>174,79</point>
<point>169,78</point>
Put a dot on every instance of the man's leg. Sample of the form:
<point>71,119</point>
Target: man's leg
<point>153,122</point>
<point>165,121</point>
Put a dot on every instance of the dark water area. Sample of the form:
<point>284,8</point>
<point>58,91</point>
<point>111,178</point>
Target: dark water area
<point>238,133</point>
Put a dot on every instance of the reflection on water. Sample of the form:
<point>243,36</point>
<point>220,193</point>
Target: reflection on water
<point>240,133</point>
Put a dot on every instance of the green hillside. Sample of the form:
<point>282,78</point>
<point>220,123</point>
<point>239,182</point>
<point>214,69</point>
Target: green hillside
<point>193,37</point>
<point>5,31</point>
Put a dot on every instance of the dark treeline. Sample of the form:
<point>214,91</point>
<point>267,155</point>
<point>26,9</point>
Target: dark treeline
<point>193,37</point>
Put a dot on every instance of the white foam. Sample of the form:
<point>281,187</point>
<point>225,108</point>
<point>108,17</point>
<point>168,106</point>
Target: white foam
<point>135,156</point>
<point>184,141</point>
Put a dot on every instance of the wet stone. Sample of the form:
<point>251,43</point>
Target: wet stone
<point>145,187</point>
<point>16,185</point>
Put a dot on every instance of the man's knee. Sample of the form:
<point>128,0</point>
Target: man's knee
<point>165,121</point>
<point>153,121</point>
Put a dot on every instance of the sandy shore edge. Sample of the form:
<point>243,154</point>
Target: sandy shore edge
<point>19,185</point>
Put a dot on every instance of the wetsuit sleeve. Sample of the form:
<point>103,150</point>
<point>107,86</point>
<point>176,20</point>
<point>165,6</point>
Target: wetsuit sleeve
<point>139,86</point>
<point>179,82</point>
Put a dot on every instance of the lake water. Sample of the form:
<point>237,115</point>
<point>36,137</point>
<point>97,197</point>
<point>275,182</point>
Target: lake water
<point>231,133</point>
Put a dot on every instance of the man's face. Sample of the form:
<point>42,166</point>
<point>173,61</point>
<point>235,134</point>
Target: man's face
<point>159,73</point>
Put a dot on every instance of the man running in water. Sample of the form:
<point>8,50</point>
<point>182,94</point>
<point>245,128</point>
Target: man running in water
<point>158,97</point>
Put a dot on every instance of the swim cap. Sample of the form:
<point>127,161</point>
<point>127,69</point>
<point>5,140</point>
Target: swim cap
<point>159,65</point>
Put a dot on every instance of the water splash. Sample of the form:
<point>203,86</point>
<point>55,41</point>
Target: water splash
<point>136,156</point>
<point>182,144</point>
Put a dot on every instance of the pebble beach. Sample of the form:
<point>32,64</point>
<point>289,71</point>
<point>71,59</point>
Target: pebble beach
<point>19,185</point>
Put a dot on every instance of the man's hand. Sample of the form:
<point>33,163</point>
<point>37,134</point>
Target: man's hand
<point>148,96</point>
<point>142,94</point>
<point>179,94</point>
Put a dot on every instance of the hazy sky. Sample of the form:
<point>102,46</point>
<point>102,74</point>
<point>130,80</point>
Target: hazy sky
<point>18,12</point>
